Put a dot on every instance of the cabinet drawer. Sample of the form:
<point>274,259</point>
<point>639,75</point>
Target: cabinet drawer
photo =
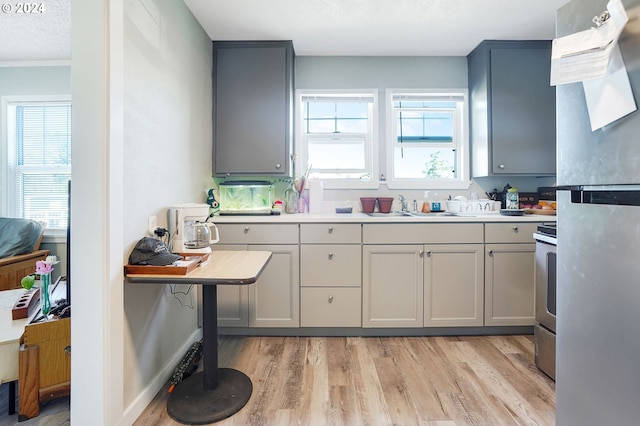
<point>512,232</point>
<point>422,233</point>
<point>330,265</point>
<point>330,307</point>
<point>330,233</point>
<point>251,233</point>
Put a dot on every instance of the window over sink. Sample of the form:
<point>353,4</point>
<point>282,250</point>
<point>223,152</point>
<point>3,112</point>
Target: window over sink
<point>337,137</point>
<point>427,138</point>
<point>423,136</point>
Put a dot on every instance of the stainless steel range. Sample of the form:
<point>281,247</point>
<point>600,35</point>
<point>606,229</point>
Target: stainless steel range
<point>545,287</point>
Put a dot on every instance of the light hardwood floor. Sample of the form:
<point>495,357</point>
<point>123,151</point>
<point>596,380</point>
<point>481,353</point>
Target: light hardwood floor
<point>478,380</point>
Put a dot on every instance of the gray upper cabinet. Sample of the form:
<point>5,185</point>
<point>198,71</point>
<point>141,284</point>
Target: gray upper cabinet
<point>512,108</point>
<point>252,107</point>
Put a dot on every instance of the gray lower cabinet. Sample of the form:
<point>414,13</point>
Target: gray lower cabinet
<point>454,285</point>
<point>509,274</point>
<point>330,275</point>
<point>274,300</point>
<point>252,107</point>
<point>512,109</point>
<point>392,290</point>
<point>422,285</point>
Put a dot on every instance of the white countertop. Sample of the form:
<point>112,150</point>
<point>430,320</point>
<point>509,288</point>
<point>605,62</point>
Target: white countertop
<point>364,218</point>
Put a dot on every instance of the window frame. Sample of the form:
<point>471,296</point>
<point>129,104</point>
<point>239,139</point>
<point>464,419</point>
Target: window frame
<point>371,139</point>
<point>7,207</point>
<point>461,141</point>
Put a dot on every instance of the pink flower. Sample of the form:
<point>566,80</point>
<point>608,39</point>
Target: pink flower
<point>43,267</point>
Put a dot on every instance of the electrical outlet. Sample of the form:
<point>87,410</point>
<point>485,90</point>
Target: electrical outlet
<point>153,224</point>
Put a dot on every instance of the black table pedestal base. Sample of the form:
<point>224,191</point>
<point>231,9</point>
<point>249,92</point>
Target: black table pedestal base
<point>191,403</point>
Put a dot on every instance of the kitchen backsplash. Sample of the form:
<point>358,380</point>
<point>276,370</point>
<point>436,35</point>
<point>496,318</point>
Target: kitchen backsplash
<point>333,197</point>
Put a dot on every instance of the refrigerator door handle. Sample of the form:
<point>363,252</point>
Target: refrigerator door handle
<point>568,188</point>
<point>606,197</point>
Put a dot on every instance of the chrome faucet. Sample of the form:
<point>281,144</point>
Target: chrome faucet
<point>403,202</point>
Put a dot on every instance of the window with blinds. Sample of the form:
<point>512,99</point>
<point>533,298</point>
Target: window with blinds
<point>427,136</point>
<point>336,138</point>
<point>39,160</point>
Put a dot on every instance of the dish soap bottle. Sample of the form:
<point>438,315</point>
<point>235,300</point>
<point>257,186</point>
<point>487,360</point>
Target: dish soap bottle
<point>426,206</point>
<point>513,199</point>
<point>435,203</point>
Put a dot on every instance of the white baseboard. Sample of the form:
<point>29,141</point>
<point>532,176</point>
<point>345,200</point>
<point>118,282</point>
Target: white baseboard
<point>133,411</point>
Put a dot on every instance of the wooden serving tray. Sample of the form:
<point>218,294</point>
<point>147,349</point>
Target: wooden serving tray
<point>548,212</point>
<point>180,267</point>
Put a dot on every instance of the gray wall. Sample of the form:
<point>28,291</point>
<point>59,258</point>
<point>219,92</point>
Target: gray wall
<point>167,161</point>
<point>366,72</point>
<point>338,72</point>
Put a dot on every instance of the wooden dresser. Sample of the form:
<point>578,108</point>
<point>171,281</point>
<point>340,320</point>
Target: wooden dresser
<point>44,362</point>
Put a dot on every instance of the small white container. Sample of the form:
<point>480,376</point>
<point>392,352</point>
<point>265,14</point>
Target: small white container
<point>454,206</point>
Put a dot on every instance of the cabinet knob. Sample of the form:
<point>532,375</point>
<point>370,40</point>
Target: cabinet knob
<point>330,229</point>
<point>490,252</point>
<point>278,165</point>
<point>421,253</point>
<point>501,166</point>
<point>246,229</point>
<point>428,253</point>
<point>330,256</point>
<point>515,229</point>
<point>330,299</point>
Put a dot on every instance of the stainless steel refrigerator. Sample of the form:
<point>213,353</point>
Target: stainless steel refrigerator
<point>598,275</point>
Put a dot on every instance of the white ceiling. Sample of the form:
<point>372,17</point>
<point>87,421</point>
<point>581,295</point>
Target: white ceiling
<point>378,27</point>
<point>42,36</point>
<point>317,27</point>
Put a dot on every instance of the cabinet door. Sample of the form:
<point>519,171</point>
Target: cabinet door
<point>454,285</point>
<point>509,284</point>
<point>522,112</point>
<point>274,300</point>
<point>233,300</point>
<point>392,289</point>
<point>252,90</point>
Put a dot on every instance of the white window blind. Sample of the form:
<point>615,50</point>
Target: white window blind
<point>39,161</point>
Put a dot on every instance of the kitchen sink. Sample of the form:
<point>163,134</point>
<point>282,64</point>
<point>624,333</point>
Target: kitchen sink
<point>430,214</point>
<point>407,214</point>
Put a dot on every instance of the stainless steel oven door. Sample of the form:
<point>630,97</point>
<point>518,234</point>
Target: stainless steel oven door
<point>545,283</point>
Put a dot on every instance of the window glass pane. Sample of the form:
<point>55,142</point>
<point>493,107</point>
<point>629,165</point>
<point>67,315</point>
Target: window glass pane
<point>424,163</point>
<point>336,117</point>
<point>423,104</point>
<point>44,198</point>
<point>43,135</point>
<point>337,154</point>
<point>425,126</point>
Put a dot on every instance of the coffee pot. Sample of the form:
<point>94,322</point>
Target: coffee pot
<point>189,230</point>
<point>198,235</point>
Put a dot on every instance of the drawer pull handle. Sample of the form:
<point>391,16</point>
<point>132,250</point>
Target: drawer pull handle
<point>331,230</point>
<point>330,256</point>
<point>246,229</point>
<point>330,299</point>
<point>515,229</point>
